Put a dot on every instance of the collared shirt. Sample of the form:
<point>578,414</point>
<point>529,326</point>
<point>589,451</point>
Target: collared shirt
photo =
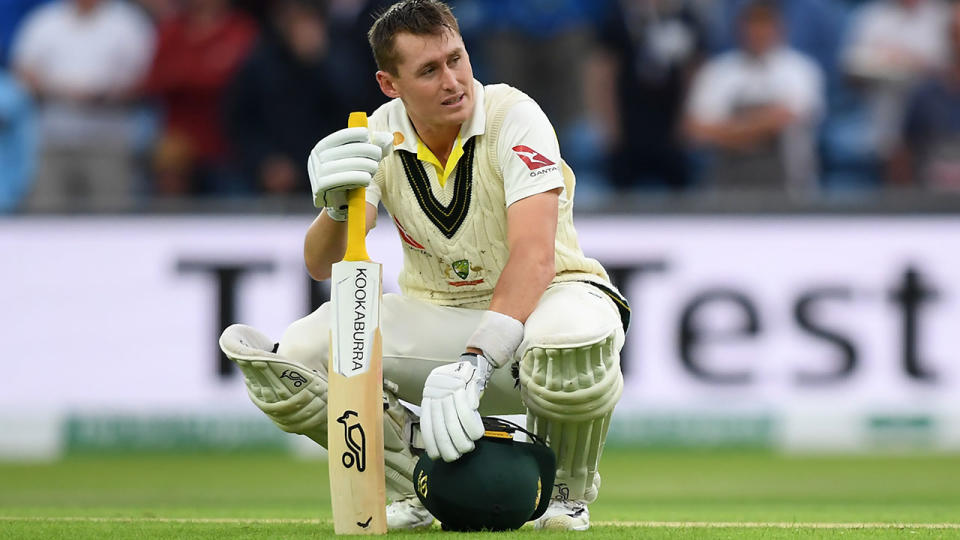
<point>527,142</point>
<point>455,233</point>
<point>735,80</point>
<point>733,84</point>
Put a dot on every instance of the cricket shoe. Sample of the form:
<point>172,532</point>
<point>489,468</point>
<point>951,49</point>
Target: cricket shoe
<point>564,515</point>
<point>408,514</point>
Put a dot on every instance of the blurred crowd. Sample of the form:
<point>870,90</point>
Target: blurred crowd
<point>116,103</point>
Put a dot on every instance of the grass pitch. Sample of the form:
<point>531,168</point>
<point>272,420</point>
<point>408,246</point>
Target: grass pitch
<point>724,494</point>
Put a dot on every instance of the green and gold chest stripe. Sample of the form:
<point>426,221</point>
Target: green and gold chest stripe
<point>446,218</point>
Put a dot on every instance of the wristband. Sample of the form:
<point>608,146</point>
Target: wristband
<point>498,336</point>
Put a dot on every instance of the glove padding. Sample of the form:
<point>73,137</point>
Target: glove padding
<point>345,160</point>
<point>449,420</point>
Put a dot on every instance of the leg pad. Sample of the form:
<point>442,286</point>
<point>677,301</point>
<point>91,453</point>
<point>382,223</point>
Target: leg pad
<point>570,394</point>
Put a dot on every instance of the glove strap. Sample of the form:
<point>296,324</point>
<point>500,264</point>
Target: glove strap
<point>483,369</point>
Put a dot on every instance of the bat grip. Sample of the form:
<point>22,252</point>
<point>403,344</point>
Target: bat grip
<point>357,209</point>
<point>357,226</point>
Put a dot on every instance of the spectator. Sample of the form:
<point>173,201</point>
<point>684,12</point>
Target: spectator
<point>17,142</point>
<point>541,47</point>
<point>893,44</point>
<point>352,65</point>
<point>197,54</point>
<point>82,59</point>
<point>636,83</point>
<point>758,108</point>
<point>160,10</point>
<point>929,151</point>
<point>813,27</point>
<point>12,13</point>
<point>283,99</point>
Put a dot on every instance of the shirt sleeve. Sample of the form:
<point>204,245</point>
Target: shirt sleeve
<point>133,62</point>
<point>708,100</point>
<point>373,192</point>
<point>528,152</point>
<point>378,121</point>
<point>28,42</point>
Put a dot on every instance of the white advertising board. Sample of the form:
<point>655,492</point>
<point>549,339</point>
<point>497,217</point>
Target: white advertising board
<point>831,327</point>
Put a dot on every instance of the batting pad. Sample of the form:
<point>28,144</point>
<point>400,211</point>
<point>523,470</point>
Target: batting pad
<point>570,395</point>
<point>291,395</point>
<point>398,457</point>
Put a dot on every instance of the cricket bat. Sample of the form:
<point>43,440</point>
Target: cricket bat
<point>355,393</point>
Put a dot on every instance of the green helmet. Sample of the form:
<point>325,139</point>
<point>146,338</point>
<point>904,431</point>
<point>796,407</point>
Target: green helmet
<point>500,485</point>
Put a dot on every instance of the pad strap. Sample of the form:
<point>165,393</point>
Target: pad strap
<point>400,429</point>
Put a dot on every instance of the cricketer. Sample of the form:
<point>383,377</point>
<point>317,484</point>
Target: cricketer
<point>499,312</point>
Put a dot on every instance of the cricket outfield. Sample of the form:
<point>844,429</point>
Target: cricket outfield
<point>646,494</point>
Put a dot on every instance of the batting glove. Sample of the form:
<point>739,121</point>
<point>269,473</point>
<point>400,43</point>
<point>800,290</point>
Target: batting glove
<point>345,160</point>
<point>449,421</point>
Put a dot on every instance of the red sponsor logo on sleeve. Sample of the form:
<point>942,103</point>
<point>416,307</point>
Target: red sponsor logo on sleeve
<point>533,159</point>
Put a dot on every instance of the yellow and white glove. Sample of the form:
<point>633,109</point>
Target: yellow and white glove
<point>344,160</point>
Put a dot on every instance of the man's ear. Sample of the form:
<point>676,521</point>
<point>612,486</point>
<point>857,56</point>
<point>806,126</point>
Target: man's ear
<point>387,84</point>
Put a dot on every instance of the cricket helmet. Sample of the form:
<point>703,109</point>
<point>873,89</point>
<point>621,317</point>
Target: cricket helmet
<point>500,485</point>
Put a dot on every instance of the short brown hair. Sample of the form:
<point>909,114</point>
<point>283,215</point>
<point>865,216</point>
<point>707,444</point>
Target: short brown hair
<point>761,10</point>
<point>418,17</point>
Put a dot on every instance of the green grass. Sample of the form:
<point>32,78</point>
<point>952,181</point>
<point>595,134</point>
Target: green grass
<point>645,494</point>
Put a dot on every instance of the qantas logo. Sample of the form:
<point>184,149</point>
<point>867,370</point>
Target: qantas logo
<point>531,157</point>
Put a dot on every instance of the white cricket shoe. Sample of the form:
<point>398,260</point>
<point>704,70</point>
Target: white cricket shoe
<point>564,515</point>
<point>407,514</point>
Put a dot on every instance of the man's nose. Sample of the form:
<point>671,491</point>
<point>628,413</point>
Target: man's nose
<point>448,78</point>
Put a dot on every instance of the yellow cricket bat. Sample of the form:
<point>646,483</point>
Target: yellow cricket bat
<point>355,395</point>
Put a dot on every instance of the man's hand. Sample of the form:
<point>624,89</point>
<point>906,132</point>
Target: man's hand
<point>344,160</point>
<point>449,421</point>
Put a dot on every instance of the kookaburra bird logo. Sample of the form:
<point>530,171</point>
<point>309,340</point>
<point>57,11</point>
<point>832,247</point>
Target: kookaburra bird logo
<point>422,484</point>
<point>533,159</point>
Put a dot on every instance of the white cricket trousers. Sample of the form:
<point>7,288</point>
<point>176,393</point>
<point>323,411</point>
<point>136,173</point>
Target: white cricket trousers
<point>419,336</point>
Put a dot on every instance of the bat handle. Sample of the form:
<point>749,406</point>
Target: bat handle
<point>357,209</point>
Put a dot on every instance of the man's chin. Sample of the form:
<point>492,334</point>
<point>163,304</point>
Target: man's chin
<point>460,114</point>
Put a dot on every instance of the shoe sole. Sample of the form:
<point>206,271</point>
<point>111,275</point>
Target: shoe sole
<point>416,527</point>
<point>561,523</point>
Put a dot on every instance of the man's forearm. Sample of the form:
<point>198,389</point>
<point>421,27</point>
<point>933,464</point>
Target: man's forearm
<point>522,283</point>
<point>531,236</point>
<point>324,244</point>
<point>743,131</point>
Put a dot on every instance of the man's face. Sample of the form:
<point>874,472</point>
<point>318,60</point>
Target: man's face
<point>434,78</point>
<point>86,5</point>
<point>760,34</point>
